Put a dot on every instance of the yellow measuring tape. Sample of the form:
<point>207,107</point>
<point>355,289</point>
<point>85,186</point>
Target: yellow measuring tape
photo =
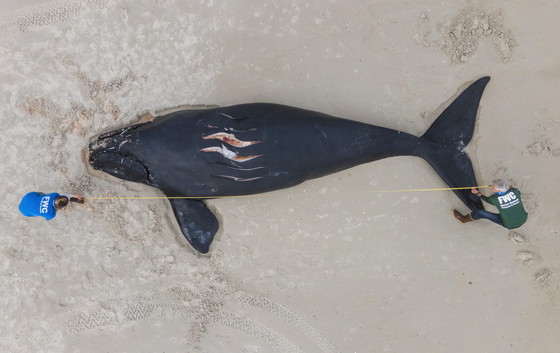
<point>442,189</point>
<point>223,197</point>
<point>161,197</point>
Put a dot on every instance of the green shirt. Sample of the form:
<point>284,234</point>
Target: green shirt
<point>510,207</point>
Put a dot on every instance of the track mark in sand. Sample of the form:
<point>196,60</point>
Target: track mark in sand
<point>289,316</point>
<point>529,202</point>
<point>261,332</point>
<point>542,277</point>
<point>527,257</point>
<point>98,91</point>
<point>517,238</point>
<point>199,310</point>
<point>76,120</point>
<point>80,119</point>
<point>460,35</point>
<point>43,15</point>
<point>545,137</point>
<point>543,147</point>
<point>88,321</point>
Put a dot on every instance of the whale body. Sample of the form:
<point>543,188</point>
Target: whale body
<point>259,147</point>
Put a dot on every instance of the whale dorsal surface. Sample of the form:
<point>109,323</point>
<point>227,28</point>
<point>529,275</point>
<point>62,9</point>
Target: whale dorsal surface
<point>259,147</point>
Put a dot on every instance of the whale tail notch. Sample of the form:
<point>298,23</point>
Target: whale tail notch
<point>448,135</point>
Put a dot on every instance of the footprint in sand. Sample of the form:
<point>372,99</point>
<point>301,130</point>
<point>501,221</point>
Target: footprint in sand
<point>544,140</point>
<point>527,257</point>
<point>517,238</point>
<point>542,277</point>
<point>459,36</point>
<point>543,147</point>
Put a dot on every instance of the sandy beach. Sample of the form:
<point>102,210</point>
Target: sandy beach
<point>331,265</point>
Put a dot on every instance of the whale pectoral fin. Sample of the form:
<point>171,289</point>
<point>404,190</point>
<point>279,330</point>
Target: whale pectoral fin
<point>198,224</point>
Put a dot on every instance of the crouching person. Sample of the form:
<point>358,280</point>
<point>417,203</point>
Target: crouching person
<point>508,202</point>
<point>36,204</point>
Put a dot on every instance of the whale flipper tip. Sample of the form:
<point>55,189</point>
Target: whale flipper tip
<point>198,224</point>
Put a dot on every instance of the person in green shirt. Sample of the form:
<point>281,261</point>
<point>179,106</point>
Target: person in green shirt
<point>508,202</point>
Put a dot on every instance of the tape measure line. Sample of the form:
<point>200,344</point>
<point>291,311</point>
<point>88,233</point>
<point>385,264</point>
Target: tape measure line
<point>222,197</point>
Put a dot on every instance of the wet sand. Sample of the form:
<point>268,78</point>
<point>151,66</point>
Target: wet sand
<point>331,265</point>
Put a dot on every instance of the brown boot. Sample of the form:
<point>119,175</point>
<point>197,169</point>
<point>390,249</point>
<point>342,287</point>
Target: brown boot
<point>461,218</point>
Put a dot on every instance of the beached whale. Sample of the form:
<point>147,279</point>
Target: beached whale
<point>254,148</point>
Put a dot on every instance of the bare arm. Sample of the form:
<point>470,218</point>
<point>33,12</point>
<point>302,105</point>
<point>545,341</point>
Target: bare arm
<point>74,198</point>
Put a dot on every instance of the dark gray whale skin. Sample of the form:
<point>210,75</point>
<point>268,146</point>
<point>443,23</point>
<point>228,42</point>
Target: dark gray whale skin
<point>254,148</point>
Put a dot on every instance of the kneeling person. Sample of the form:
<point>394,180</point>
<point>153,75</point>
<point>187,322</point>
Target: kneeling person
<point>46,205</point>
<point>508,202</point>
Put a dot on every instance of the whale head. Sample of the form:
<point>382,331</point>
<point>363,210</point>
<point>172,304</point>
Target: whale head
<point>111,153</point>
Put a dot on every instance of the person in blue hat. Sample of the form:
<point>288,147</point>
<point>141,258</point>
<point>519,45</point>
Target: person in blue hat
<point>36,204</point>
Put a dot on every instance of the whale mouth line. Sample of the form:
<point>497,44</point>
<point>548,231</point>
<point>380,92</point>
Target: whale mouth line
<point>121,166</point>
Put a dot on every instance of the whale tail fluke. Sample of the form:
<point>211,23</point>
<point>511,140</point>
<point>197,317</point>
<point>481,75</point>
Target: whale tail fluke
<point>449,134</point>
